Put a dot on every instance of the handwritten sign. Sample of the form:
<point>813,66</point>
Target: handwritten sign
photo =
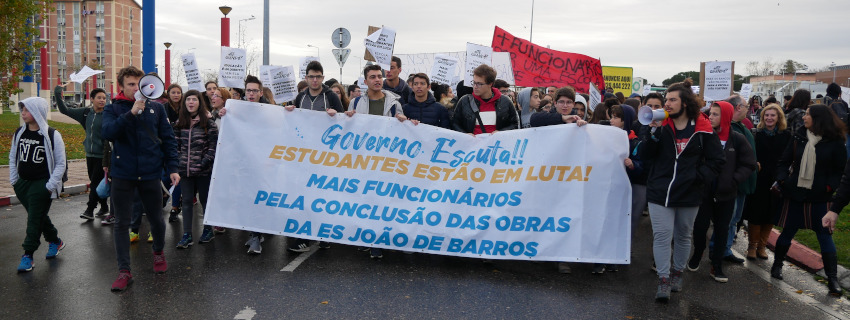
<point>476,55</point>
<point>746,90</point>
<point>380,45</point>
<point>536,66</point>
<point>595,96</point>
<point>424,63</point>
<point>303,66</point>
<point>445,68</point>
<point>283,83</point>
<point>717,83</point>
<point>193,77</point>
<point>234,65</point>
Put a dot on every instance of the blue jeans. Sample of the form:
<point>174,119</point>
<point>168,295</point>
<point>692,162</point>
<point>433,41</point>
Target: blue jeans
<point>824,239</point>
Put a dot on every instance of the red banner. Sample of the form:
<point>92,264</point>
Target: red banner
<point>536,66</point>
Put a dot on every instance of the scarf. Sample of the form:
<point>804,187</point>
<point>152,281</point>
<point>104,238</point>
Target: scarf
<point>807,164</point>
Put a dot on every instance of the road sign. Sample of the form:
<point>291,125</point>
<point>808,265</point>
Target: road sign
<point>341,55</point>
<point>341,38</point>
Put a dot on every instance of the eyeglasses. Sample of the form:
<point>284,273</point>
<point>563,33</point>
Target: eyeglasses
<point>315,77</point>
<point>562,102</point>
<point>478,84</point>
<point>253,91</point>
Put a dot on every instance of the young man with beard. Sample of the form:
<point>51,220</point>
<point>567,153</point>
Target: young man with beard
<point>393,82</point>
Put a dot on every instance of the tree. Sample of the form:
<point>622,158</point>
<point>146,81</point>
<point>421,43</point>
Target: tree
<point>681,76</point>
<point>791,66</point>
<point>19,32</point>
<point>761,68</point>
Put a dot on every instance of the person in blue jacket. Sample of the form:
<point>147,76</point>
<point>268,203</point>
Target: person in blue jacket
<point>143,146</point>
<point>421,105</point>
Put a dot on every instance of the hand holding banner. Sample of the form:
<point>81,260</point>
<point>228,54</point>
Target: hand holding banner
<point>234,65</point>
<point>536,66</point>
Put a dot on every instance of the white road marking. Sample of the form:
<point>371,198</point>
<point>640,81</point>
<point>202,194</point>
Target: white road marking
<point>300,259</point>
<point>246,314</point>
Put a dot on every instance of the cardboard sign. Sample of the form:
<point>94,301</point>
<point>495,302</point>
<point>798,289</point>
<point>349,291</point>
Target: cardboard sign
<point>444,69</point>
<point>424,63</point>
<point>234,64</point>
<point>536,66</point>
<point>193,76</point>
<point>595,97</point>
<point>303,63</point>
<point>476,55</point>
<point>716,79</point>
<point>379,44</point>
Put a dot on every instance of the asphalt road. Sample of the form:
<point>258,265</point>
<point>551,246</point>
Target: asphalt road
<point>219,280</point>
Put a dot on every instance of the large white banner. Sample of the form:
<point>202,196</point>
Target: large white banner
<point>424,62</point>
<point>234,64</point>
<point>718,80</point>
<point>557,193</point>
<point>193,77</point>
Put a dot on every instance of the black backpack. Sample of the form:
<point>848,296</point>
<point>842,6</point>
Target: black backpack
<point>840,108</point>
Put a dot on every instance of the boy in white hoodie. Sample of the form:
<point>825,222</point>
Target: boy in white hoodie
<point>36,169</point>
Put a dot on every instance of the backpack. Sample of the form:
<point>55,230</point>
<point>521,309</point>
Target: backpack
<point>840,108</point>
<point>50,132</point>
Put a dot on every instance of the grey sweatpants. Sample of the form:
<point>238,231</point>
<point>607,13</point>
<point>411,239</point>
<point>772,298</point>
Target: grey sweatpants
<point>671,225</point>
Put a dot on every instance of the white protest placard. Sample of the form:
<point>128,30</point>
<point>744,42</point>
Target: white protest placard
<point>361,82</point>
<point>845,94</point>
<point>718,80</point>
<point>265,78</point>
<point>193,76</point>
<point>424,62</point>
<point>637,85</point>
<point>380,44</point>
<point>595,96</point>
<point>476,55</point>
<point>83,74</point>
<point>647,89</point>
<point>746,90</point>
<point>303,66</point>
<point>234,65</point>
<point>378,182</point>
<point>695,89</point>
<point>283,83</point>
<point>444,69</point>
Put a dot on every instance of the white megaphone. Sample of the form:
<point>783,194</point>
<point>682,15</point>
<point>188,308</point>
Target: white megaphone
<point>150,87</point>
<point>646,115</point>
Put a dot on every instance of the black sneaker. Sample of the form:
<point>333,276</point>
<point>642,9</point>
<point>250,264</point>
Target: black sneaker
<point>88,214</point>
<point>598,269</point>
<point>717,274</point>
<point>107,220</point>
<point>104,210</point>
<point>172,216</point>
<point>324,245</point>
<point>733,258</point>
<point>693,263</point>
<point>376,253</point>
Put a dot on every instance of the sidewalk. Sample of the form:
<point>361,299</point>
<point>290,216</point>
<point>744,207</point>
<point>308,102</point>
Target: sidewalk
<point>809,259</point>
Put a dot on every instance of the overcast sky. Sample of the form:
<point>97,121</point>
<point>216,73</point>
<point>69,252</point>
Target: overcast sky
<point>657,38</point>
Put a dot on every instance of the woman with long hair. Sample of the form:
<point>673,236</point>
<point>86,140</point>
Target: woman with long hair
<point>796,108</point>
<point>217,100</point>
<point>340,91</point>
<point>684,155</point>
<point>761,207</point>
<point>808,173</point>
<point>196,135</point>
<point>175,96</point>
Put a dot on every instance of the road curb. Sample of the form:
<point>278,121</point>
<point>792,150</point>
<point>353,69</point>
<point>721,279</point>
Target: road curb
<point>69,191</point>
<point>808,259</point>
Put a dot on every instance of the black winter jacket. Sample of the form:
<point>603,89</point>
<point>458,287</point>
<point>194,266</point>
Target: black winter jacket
<point>831,156</point>
<point>740,164</point>
<point>465,120</point>
<point>330,99</point>
<point>429,112</point>
<point>678,179</point>
<point>842,195</point>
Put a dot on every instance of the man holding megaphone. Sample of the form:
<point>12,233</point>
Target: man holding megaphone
<point>143,146</point>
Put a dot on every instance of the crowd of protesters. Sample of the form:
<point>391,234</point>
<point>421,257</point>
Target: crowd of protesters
<point>723,163</point>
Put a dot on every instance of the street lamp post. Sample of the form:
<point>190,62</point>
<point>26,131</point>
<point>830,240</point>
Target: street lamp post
<point>225,26</point>
<point>167,64</point>
<point>833,71</point>
<point>239,37</point>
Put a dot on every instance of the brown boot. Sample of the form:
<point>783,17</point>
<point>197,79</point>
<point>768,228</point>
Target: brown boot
<point>765,235</point>
<point>754,235</point>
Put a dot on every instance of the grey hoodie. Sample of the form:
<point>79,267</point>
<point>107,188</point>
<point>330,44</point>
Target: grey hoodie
<point>524,100</point>
<point>55,156</point>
